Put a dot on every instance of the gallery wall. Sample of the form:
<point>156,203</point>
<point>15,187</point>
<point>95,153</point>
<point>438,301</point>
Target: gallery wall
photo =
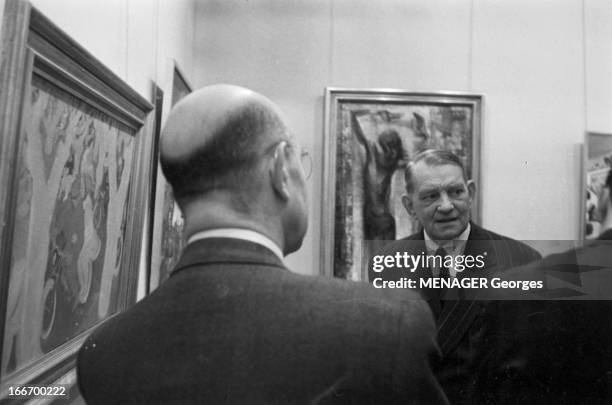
<point>544,67</point>
<point>131,37</point>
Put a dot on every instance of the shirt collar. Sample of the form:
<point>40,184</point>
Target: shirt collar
<point>239,233</point>
<point>453,247</point>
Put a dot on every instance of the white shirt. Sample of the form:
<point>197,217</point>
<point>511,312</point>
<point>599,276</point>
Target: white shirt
<point>454,247</point>
<point>239,233</point>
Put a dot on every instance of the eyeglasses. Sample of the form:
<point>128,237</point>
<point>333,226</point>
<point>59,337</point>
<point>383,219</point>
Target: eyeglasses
<point>306,161</point>
<point>305,158</point>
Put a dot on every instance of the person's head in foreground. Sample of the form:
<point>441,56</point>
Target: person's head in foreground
<point>232,162</point>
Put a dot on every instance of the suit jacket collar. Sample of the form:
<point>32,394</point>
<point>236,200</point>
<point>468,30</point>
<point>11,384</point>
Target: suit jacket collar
<point>226,250</point>
<point>239,233</point>
<point>479,241</point>
<point>478,233</point>
<point>454,247</point>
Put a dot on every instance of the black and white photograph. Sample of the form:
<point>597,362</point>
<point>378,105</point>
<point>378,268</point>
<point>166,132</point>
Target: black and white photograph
<point>306,202</point>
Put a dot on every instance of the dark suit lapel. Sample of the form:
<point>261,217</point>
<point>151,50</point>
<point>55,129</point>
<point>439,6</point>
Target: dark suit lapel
<point>487,248</point>
<point>417,236</point>
<point>455,323</point>
<point>458,315</point>
<point>417,245</point>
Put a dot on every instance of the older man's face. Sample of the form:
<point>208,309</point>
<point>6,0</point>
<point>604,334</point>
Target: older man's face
<point>441,200</point>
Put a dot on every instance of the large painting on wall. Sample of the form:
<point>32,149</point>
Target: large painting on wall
<point>79,168</point>
<point>168,241</point>
<point>597,163</point>
<point>370,137</point>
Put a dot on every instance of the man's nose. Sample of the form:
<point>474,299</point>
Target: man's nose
<point>446,204</point>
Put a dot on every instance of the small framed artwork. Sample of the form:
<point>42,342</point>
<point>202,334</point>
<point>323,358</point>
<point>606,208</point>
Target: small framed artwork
<point>370,137</point>
<point>597,162</point>
<point>76,152</point>
<point>168,241</point>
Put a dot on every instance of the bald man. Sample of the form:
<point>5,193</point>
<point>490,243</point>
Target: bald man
<point>232,324</point>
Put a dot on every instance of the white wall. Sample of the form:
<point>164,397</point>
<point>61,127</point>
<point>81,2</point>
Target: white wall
<point>133,38</point>
<point>598,51</point>
<point>282,50</point>
<point>528,60</point>
<point>544,67</point>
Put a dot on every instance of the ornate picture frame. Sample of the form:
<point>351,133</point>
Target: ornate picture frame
<point>370,135</point>
<point>597,160</point>
<point>167,236</point>
<point>75,158</point>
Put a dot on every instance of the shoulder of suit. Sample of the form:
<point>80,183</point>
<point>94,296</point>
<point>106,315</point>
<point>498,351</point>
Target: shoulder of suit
<point>405,307</point>
<point>598,248</point>
<point>394,322</point>
<point>364,293</point>
<point>480,233</point>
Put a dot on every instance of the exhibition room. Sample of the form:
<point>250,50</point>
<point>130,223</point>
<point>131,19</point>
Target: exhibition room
<point>210,201</point>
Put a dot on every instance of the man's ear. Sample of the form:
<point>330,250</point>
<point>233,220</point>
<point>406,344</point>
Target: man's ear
<point>471,186</point>
<point>407,202</point>
<point>279,172</point>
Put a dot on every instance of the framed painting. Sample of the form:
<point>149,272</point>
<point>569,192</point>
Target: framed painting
<point>167,237</point>
<point>76,152</point>
<point>370,137</point>
<point>157,98</point>
<point>597,162</point>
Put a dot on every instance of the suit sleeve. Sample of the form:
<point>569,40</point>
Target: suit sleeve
<point>417,355</point>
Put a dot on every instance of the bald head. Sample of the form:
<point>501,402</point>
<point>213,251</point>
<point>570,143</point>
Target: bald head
<point>214,137</point>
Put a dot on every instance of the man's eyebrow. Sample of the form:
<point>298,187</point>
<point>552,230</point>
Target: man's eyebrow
<point>438,187</point>
<point>455,184</point>
<point>429,189</point>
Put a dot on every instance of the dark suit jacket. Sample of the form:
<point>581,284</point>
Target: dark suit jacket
<point>463,324</point>
<point>233,325</point>
<point>555,351</point>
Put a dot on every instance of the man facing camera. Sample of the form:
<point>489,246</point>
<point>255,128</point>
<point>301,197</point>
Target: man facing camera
<point>232,324</point>
<point>440,197</point>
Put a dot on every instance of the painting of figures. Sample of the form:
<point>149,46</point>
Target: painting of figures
<point>372,136</point>
<point>598,161</point>
<point>77,152</point>
<point>75,169</point>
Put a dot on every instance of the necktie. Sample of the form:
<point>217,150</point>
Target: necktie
<point>444,271</point>
<point>443,274</point>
